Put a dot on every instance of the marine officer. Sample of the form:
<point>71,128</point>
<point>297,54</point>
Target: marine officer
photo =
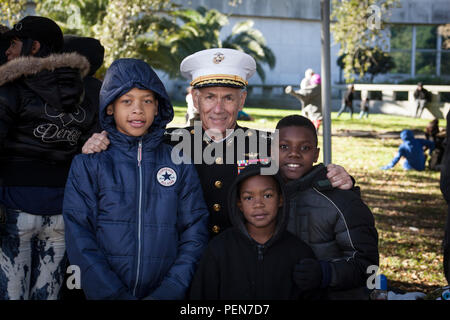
<point>218,145</point>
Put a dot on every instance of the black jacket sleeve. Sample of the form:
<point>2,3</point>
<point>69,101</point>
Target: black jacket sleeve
<point>8,110</point>
<point>357,237</point>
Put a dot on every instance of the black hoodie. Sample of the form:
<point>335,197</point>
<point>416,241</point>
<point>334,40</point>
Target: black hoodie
<point>93,50</point>
<point>234,266</point>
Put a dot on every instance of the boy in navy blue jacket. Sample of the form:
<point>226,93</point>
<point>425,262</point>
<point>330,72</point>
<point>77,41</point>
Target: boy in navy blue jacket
<point>136,222</point>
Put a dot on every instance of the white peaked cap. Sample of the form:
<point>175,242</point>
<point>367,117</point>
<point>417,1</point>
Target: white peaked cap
<point>218,67</point>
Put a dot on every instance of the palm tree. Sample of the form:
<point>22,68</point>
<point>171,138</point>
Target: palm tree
<point>201,30</point>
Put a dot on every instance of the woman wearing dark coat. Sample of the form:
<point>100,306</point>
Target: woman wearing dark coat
<point>42,126</point>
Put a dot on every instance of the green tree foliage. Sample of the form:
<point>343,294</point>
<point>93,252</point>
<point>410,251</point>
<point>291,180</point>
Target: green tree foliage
<point>200,29</point>
<point>118,24</point>
<point>11,11</point>
<point>157,31</point>
<point>379,62</point>
<point>358,29</point>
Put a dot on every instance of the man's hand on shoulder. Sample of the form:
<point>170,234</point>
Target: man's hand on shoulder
<point>97,143</point>
<point>338,177</point>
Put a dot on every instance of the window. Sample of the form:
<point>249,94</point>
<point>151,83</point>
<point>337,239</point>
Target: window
<point>401,37</point>
<point>400,43</point>
<point>445,63</point>
<point>416,50</point>
<point>426,63</point>
<point>426,37</point>
<point>402,62</point>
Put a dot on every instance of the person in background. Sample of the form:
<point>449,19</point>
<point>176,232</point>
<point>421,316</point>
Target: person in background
<point>433,133</point>
<point>364,105</point>
<point>311,98</point>
<point>244,116</point>
<point>306,81</point>
<point>92,50</point>
<point>347,102</point>
<point>432,130</point>
<point>421,98</point>
<point>42,126</point>
<point>192,114</point>
<point>4,44</point>
<point>445,189</point>
<point>412,150</point>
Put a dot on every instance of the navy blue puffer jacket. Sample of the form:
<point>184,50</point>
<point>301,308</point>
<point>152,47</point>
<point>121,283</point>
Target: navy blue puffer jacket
<point>136,223</point>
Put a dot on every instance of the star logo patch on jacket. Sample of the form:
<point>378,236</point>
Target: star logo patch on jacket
<point>166,176</point>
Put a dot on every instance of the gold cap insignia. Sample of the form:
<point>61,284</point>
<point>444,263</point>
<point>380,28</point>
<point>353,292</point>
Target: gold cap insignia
<point>218,57</point>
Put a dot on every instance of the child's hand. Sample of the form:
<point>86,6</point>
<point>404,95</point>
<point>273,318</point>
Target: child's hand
<point>338,177</point>
<point>385,167</point>
<point>97,143</point>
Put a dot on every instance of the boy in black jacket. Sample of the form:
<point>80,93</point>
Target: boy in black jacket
<point>255,258</point>
<point>335,223</point>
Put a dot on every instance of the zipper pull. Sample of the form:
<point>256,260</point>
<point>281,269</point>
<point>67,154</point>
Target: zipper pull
<point>260,252</point>
<point>139,154</point>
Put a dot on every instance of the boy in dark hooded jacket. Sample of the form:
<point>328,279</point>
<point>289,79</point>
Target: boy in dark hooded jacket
<point>336,224</point>
<point>136,222</point>
<point>413,150</point>
<point>255,258</point>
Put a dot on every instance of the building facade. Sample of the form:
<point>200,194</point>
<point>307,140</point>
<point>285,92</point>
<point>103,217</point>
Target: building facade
<point>292,30</point>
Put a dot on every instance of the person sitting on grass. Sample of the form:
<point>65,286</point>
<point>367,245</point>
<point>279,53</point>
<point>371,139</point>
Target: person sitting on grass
<point>412,150</point>
<point>335,223</point>
<point>136,222</point>
<point>254,259</point>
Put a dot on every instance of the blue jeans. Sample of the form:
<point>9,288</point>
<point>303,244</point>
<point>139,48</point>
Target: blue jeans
<point>32,256</point>
<point>343,108</point>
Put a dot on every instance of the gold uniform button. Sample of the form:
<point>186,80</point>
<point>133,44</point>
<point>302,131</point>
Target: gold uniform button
<point>192,131</point>
<point>218,184</point>
<point>216,207</point>
<point>219,160</point>
<point>215,229</point>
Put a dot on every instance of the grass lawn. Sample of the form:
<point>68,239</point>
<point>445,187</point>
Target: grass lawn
<point>409,209</point>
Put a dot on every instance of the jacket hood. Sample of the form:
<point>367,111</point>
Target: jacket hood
<point>57,78</point>
<point>407,135</point>
<point>237,217</point>
<point>90,48</point>
<point>30,66</point>
<point>124,75</point>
